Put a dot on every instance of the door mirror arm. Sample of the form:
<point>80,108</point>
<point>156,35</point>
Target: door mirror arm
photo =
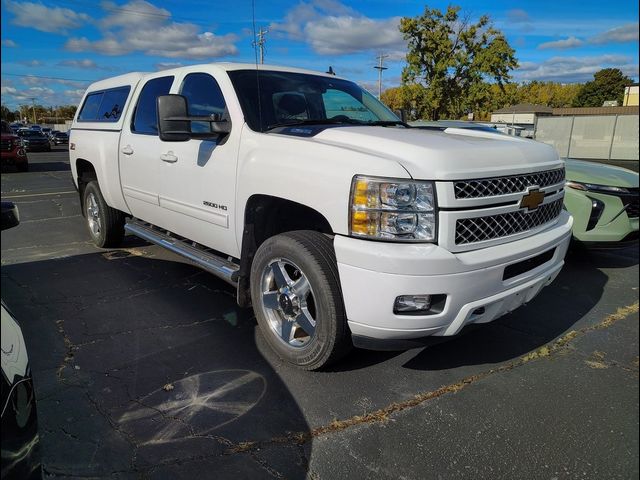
<point>174,121</point>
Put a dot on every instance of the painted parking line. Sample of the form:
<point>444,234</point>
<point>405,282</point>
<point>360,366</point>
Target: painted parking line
<point>39,194</point>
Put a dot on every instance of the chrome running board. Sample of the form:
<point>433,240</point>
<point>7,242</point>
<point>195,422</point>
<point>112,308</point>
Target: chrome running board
<point>199,255</point>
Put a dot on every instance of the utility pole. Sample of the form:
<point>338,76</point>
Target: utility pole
<point>33,106</point>
<point>261,41</point>
<point>380,68</point>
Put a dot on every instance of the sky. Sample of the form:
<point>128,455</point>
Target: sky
<point>52,50</point>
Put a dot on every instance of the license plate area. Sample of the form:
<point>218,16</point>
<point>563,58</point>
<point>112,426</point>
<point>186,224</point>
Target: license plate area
<point>524,266</point>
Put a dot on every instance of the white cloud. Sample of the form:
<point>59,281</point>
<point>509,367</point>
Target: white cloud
<point>340,35</point>
<point>35,81</point>
<point>517,15</point>
<point>85,63</point>
<point>624,33</point>
<point>151,31</point>
<point>73,97</point>
<point>332,28</point>
<point>571,42</point>
<point>574,69</point>
<point>9,43</point>
<point>8,90</point>
<point>46,19</point>
<point>167,65</point>
<point>31,63</point>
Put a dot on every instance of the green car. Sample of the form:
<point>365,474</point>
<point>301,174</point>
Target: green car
<point>603,200</point>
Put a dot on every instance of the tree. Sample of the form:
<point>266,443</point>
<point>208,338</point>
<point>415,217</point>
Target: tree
<point>551,94</point>
<point>409,98</point>
<point>7,114</point>
<point>452,58</point>
<point>607,84</point>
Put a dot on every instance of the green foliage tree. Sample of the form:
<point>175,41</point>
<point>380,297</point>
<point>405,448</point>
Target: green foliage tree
<point>452,59</point>
<point>7,114</point>
<point>607,84</point>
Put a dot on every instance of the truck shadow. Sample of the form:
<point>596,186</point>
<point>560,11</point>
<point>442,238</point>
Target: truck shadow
<point>556,310</point>
<point>49,167</point>
<point>553,312</point>
<point>147,366</point>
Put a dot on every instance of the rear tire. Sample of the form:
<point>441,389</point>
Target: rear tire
<point>105,224</point>
<point>296,296</point>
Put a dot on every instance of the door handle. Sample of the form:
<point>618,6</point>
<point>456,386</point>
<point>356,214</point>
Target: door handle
<point>127,150</point>
<point>168,157</point>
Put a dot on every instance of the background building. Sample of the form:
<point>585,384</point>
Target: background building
<point>631,95</point>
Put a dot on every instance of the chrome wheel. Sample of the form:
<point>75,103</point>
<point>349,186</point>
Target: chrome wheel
<point>288,303</point>
<point>93,215</point>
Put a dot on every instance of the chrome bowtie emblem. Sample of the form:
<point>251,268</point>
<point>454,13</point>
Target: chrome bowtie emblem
<point>532,199</point>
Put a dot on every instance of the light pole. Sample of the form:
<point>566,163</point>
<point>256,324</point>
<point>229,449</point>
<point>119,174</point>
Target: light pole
<point>380,68</point>
<point>33,107</point>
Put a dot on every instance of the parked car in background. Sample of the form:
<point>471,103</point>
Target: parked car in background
<point>46,131</point>
<point>12,149</point>
<point>60,138</point>
<point>34,140</point>
<point>36,127</point>
<point>603,200</point>
<point>52,133</point>
<point>20,439</point>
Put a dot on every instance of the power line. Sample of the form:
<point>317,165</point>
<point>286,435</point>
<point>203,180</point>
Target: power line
<point>48,78</point>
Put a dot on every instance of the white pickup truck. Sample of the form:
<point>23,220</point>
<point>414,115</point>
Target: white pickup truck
<point>337,222</point>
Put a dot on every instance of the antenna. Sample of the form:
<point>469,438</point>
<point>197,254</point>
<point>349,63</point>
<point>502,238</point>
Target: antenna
<point>253,21</point>
<point>330,71</point>
<point>261,41</point>
<point>380,68</point>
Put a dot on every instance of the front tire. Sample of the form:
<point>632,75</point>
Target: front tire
<point>295,291</point>
<point>105,224</point>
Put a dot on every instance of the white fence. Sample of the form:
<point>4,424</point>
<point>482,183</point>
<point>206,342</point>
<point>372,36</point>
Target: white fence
<point>607,138</point>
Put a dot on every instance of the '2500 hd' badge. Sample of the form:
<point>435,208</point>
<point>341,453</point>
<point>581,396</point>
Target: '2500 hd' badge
<point>214,205</point>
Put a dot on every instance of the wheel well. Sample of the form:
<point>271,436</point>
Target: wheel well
<point>264,217</point>
<point>86,173</point>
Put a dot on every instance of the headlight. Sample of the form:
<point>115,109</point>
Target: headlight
<point>590,187</point>
<point>393,209</point>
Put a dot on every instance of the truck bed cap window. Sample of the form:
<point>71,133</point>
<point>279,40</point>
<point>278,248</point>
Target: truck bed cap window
<point>104,105</point>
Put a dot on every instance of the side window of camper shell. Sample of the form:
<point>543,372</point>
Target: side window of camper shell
<point>105,105</point>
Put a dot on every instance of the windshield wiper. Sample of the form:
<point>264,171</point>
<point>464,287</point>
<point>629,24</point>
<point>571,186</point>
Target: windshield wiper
<point>316,121</point>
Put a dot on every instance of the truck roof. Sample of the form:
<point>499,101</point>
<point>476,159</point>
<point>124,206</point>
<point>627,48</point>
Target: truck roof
<point>134,77</point>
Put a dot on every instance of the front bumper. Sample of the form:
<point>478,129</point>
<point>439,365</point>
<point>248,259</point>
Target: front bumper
<point>614,224</point>
<point>37,147</point>
<point>14,157</point>
<point>373,274</point>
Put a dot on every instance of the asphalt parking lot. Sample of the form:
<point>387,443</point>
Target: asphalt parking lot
<point>145,368</point>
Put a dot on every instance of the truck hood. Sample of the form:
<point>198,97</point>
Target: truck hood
<point>452,154</point>
<point>599,174</point>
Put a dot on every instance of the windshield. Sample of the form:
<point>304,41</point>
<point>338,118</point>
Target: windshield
<point>288,98</point>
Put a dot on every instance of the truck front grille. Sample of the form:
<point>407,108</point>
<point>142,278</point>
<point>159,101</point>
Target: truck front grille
<point>479,229</point>
<point>492,187</point>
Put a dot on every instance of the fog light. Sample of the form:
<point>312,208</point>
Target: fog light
<point>412,303</point>
<point>597,207</point>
